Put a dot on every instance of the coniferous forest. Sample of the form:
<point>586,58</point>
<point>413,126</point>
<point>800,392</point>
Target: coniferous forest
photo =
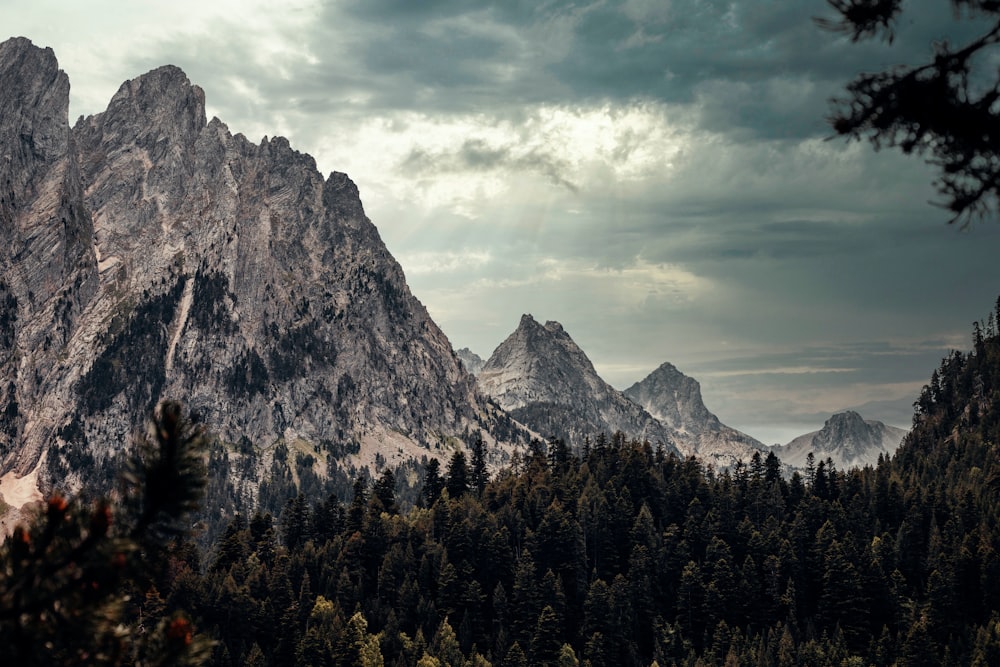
<point>608,552</point>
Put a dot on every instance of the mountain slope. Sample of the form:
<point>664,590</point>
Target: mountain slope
<point>675,400</point>
<point>546,382</point>
<point>847,439</point>
<point>151,253</point>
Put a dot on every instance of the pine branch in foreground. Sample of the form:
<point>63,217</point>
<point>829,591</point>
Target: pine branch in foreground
<point>71,579</point>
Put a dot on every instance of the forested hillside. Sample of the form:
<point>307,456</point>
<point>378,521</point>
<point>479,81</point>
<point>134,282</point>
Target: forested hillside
<point>616,553</point>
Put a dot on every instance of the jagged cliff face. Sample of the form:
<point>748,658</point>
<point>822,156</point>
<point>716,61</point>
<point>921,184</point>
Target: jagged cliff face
<point>846,438</point>
<point>49,271</point>
<point>675,400</point>
<point>148,253</point>
<point>470,360</point>
<point>546,382</point>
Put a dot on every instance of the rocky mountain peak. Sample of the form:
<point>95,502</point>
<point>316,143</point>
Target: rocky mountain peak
<point>675,400</point>
<point>165,87</point>
<point>145,254</point>
<point>32,71</point>
<point>34,127</point>
<point>848,433</point>
<point>342,198</point>
<point>548,383</point>
<point>846,419</point>
<point>846,438</point>
<point>535,363</point>
<point>529,325</point>
<point>846,422</point>
<point>161,110</point>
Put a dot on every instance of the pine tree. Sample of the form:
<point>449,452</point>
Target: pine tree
<point>546,642</point>
<point>944,108</point>
<point>567,657</point>
<point>295,522</point>
<point>385,492</point>
<point>458,475</point>
<point>364,647</point>
<point>444,646</point>
<point>843,602</point>
<point>433,483</point>
<point>515,657</point>
<point>316,645</point>
<point>691,601</point>
<point>234,547</point>
<point>526,602</point>
<point>479,475</point>
<point>254,657</point>
<point>65,578</point>
<point>356,511</point>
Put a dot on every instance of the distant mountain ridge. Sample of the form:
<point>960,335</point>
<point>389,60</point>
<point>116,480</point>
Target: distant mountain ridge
<point>543,378</point>
<point>470,360</point>
<point>545,381</point>
<point>675,400</point>
<point>847,439</point>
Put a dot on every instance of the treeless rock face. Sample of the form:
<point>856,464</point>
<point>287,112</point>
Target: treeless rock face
<point>149,253</point>
<point>675,399</point>
<point>19,491</point>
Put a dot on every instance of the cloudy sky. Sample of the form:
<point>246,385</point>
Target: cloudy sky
<point>653,174</point>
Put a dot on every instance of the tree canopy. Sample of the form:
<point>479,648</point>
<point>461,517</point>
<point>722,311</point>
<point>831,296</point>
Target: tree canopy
<point>616,554</point>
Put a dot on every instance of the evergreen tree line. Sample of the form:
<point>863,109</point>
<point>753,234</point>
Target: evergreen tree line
<point>613,552</point>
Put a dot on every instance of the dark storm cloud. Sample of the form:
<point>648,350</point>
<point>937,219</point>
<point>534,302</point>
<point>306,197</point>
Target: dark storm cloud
<point>753,68</point>
<point>480,156</point>
<point>755,65</point>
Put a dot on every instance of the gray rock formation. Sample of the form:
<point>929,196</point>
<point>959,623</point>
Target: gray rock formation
<point>150,253</point>
<point>470,360</point>
<point>847,439</point>
<point>675,400</point>
<point>546,382</point>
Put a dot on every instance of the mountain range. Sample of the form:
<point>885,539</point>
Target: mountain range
<point>545,381</point>
<point>847,439</point>
<point>543,378</point>
<point>149,252</point>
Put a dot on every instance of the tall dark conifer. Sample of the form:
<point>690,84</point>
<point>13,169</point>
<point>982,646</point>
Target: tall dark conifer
<point>479,473</point>
<point>66,580</point>
<point>433,483</point>
<point>458,475</point>
<point>385,491</point>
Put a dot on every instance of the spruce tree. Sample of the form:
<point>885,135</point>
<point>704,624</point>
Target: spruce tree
<point>433,483</point>
<point>385,491</point>
<point>458,475</point>
<point>479,474</point>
